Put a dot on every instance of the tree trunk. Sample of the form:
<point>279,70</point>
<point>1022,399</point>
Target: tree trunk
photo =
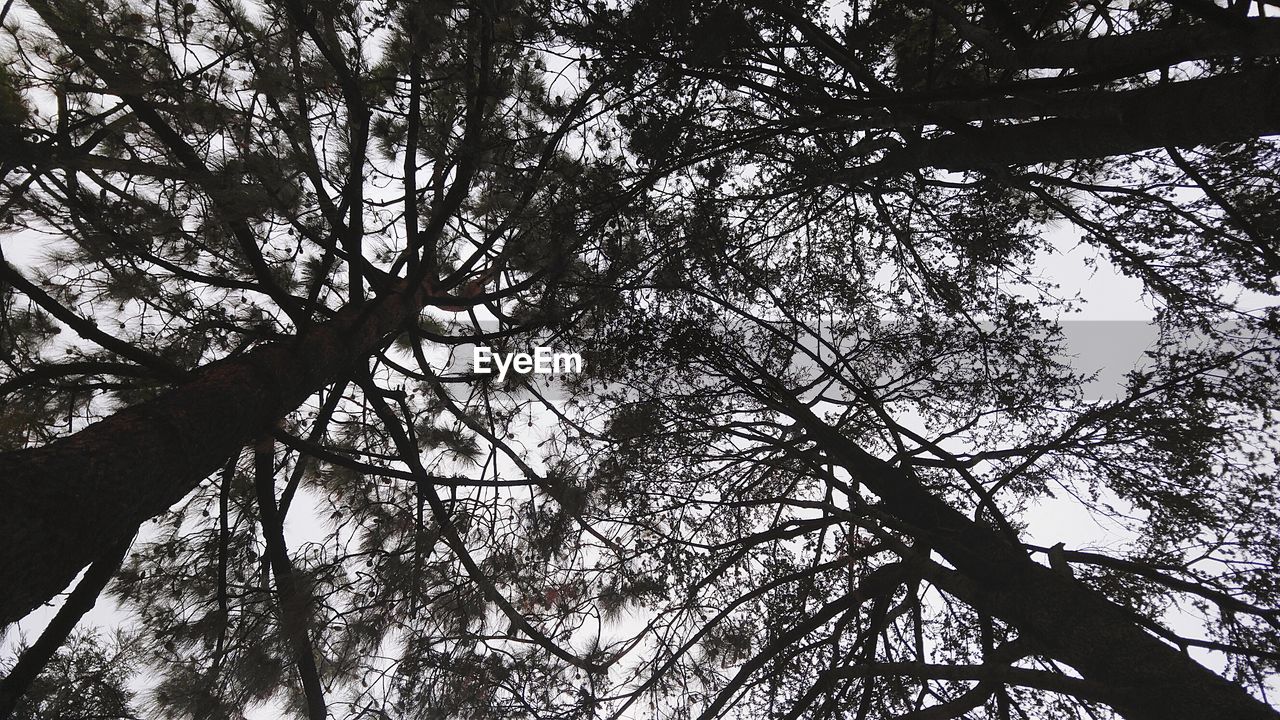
<point>1228,108</point>
<point>79,601</point>
<point>1066,619</point>
<point>1151,49</point>
<point>62,504</point>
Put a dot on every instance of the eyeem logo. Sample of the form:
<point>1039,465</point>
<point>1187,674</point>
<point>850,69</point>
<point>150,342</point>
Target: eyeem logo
<point>543,361</point>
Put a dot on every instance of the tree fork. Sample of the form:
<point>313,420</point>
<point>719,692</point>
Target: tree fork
<point>79,602</point>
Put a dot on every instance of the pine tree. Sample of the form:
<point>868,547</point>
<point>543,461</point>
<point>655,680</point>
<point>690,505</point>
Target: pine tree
<point>822,390</point>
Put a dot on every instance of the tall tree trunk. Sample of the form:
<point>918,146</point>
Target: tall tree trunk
<point>1228,108</point>
<point>1151,49</point>
<point>62,503</point>
<point>1066,619</point>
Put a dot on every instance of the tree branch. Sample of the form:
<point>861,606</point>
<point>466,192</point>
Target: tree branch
<point>989,673</point>
<point>293,604</point>
<point>1226,108</point>
<point>80,601</point>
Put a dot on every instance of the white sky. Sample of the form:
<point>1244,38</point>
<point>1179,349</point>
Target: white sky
<point>1107,295</point>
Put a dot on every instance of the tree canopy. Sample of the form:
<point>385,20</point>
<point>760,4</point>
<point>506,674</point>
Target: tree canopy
<point>802,247</point>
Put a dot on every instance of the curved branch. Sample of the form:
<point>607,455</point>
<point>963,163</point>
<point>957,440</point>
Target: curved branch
<point>53,371</point>
<point>409,453</point>
<point>88,329</point>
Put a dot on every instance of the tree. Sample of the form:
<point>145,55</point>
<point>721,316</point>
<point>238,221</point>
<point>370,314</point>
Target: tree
<point>839,536</point>
<point>812,211</point>
<point>84,679</point>
<point>214,182</point>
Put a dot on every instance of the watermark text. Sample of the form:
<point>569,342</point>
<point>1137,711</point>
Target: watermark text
<point>542,361</point>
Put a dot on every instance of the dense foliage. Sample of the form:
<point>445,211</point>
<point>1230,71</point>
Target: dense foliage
<point>801,246</point>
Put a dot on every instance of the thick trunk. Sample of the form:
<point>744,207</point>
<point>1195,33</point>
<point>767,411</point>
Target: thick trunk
<point>62,504</point>
<point>1066,619</point>
<point>1140,51</point>
<point>1228,108</point>
<point>79,601</point>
